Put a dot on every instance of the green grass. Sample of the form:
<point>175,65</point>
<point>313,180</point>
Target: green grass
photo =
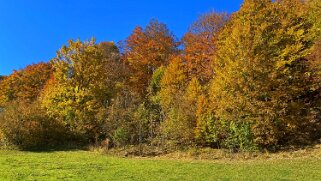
<point>82,165</point>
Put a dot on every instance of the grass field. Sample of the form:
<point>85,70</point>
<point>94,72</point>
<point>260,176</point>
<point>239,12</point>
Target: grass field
<point>82,165</point>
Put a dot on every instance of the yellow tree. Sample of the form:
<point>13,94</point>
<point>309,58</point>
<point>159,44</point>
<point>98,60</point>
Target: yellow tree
<point>178,123</point>
<point>262,73</point>
<point>84,82</point>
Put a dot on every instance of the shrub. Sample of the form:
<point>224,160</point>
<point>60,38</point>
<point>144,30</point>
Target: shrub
<point>226,134</point>
<point>27,126</point>
<point>120,137</point>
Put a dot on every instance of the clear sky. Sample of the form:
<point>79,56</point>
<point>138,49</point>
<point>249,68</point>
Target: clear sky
<point>33,30</point>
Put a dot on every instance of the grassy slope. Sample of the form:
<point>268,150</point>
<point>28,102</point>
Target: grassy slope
<point>81,165</point>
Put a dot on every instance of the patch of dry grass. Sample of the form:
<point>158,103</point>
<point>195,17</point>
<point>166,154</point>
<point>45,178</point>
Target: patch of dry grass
<point>209,154</point>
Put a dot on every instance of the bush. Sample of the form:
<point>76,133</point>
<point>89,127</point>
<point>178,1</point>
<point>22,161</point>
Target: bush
<point>239,137</point>
<point>27,126</point>
<point>226,134</point>
<point>120,137</point>
<point>3,140</point>
<point>178,128</point>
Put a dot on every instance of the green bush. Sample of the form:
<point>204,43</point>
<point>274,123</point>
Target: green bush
<point>239,137</point>
<point>120,137</point>
<point>236,136</point>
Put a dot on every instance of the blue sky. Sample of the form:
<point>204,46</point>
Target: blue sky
<point>32,31</point>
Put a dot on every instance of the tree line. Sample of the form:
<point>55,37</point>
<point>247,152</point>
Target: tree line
<point>243,81</point>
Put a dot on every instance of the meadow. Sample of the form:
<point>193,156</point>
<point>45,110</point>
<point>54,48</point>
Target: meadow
<point>85,165</point>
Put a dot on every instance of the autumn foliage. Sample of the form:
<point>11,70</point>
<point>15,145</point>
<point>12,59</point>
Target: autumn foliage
<point>243,81</point>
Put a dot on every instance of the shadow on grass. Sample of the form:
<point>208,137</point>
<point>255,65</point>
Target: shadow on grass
<point>50,149</point>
